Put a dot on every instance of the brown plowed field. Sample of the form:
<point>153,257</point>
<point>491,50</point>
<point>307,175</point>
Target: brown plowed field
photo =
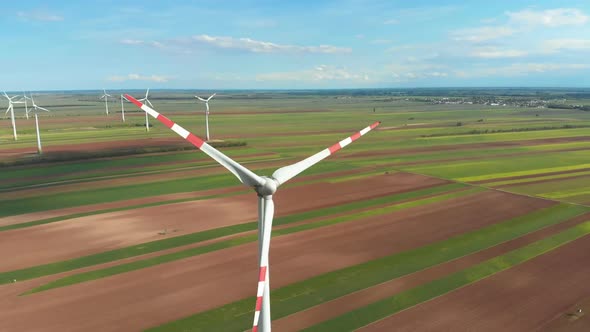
<point>571,320</point>
<point>340,306</point>
<point>21,218</point>
<point>94,207</point>
<point>523,298</point>
<point>97,233</point>
<point>155,295</point>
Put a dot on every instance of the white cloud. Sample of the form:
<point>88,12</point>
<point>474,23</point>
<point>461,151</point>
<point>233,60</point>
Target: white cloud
<point>415,69</point>
<point>137,77</point>
<point>521,69</point>
<point>39,15</point>
<point>493,52</point>
<point>381,41</point>
<point>391,21</point>
<point>554,45</point>
<point>186,45</point>
<point>481,34</point>
<point>257,46</point>
<point>319,73</point>
<point>137,42</point>
<point>550,17</point>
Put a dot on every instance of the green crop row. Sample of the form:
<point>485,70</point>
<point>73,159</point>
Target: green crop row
<point>379,310</point>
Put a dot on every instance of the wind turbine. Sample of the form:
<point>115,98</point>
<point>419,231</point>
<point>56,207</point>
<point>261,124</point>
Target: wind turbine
<point>146,100</point>
<point>106,96</point>
<point>264,187</point>
<point>206,112</point>
<point>36,109</point>
<point>11,110</point>
<point>123,108</point>
<point>24,100</point>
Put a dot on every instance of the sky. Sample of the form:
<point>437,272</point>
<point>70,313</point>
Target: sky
<point>65,45</point>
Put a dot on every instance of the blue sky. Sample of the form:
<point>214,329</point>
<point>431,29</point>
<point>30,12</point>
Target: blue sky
<point>55,45</point>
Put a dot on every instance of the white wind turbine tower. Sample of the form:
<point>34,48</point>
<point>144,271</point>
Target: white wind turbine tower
<point>36,110</point>
<point>146,100</point>
<point>206,112</point>
<point>123,108</point>
<point>106,96</point>
<point>264,187</point>
<point>11,110</point>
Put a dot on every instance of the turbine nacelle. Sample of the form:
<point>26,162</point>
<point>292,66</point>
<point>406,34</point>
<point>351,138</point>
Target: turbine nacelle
<point>269,187</point>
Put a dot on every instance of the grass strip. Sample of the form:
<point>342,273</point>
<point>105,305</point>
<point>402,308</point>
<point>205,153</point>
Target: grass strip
<point>153,246</point>
<point>381,309</point>
<point>109,271</point>
<point>287,300</point>
<point>535,179</point>
<point>523,173</point>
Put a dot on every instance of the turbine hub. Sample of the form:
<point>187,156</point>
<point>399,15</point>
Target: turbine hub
<point>268,188</point>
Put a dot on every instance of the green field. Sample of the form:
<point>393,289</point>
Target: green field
<point>101,184</point>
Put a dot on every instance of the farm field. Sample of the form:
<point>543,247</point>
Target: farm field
<point>439,219</point>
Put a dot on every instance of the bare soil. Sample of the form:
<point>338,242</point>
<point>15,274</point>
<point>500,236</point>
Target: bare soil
<point>159,294</point>
<point>97,233</point>
<point>340,306</point>
<point>524,298</point>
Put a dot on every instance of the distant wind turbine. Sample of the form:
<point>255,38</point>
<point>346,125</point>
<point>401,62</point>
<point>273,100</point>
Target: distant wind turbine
<point>206,112</point>
<point>106,96</point>
<point>147,101</point>
<point>24,100</point>
<point>36,110</point>
<point>11,110</point>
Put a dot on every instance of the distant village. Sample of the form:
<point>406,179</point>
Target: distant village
<point>502,102</point>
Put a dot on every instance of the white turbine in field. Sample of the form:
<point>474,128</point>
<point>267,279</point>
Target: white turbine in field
<point>11,110</point>
<point>206,112</point>
<point>106,96</point>
<point>36,110</point>
<point>24,100</point>
<point>146,100</point>
<point>123,108</point>
<point>264,187</point>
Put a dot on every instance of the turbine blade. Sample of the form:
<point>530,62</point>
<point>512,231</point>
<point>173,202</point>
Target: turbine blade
<point>149,102</point>
<point>213,95</point>
<point>246,176</point>
<point>41,108</point>
<point>201,99</point>
<point>262,295</point>
<point>284,174</point>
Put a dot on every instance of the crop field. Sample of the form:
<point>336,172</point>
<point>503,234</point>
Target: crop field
<point>439,219</point>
